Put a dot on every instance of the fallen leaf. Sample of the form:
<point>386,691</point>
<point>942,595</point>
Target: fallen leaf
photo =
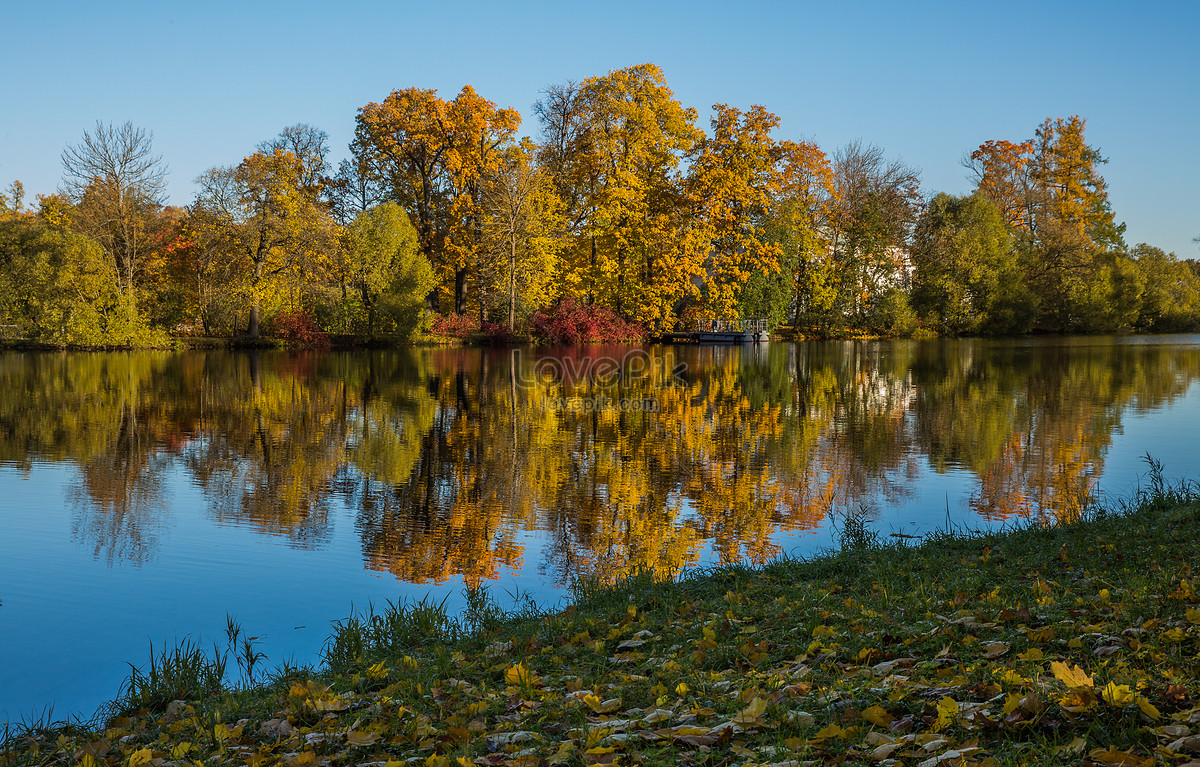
<point>357,738</point>
<point>996,649</point>
<point>1074,678</point>
<point>947,711</point>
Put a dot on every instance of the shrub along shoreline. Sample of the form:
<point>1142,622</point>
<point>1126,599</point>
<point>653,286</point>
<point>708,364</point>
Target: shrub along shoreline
<point>1051,644</point>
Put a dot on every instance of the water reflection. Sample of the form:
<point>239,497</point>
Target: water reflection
<point>450,459</point>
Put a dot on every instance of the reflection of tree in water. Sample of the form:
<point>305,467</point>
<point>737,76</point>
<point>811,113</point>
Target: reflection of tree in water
<point>1034,421</point>
<point>120,505</point>
<point>448,458</point>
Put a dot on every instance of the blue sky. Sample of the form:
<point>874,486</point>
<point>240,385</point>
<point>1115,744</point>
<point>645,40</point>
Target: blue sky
<point>928,82</point>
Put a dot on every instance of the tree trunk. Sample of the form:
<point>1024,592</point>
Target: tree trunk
<point>512,284</point>
<point>252,327</point>
<point>460,291</point>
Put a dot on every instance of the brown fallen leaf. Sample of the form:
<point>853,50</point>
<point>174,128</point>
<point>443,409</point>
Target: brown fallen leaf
<point>996,649</point>
<point>1112,755</point>
<point>1186,745</point>
<point>358,738</point>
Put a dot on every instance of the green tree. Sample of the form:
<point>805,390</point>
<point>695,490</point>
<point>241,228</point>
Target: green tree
<point>1071,245</point>
<point>380,259</point>
<point>800,221</point>
<point>58,286</point>
<point>964,262</point>
<point>1171,293</point>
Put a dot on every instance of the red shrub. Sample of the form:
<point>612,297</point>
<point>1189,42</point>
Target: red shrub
<point>297,329</point>
<point>497,333</point>
<point>455,325</point>
<point>569,322</point>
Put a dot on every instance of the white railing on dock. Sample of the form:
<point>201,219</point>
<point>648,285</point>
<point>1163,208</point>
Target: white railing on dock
<point>707,325</point>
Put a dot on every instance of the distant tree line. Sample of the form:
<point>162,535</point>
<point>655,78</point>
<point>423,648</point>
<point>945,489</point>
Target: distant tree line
<point>623,203</point>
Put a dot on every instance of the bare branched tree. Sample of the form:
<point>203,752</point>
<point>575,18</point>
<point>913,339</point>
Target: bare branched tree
<point>117,183</point>
<point>311,147</point>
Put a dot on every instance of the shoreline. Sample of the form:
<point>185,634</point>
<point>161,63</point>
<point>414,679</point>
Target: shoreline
<point>350,343</point>
<point>1051,643</point>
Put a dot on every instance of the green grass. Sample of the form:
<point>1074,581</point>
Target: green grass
<point>1038,644</point>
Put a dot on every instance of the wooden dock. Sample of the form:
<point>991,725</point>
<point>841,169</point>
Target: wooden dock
<point>719,332</point>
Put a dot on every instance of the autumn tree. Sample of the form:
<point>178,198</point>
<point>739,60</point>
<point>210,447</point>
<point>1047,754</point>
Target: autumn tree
<point>878,201</point>
<point>12,203</point>
<point>478,133</point>
<point>623,138</point>
<point>200,264</point>
<point>117,184</point>
<point>733,179</point>
<point>273,229</point>
<point>310,146</point>
<point>379,258</point>
<point>522,232</point>
<point>353,190</point>
<point>433,158</point>
<point>800,221</point>
<point>401,142</point>
<point>1056,203</point>
<point>1001,171</point>
<point>564,151</point>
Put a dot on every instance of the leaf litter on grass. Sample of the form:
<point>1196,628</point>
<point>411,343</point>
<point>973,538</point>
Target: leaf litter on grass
<point>973,651</point>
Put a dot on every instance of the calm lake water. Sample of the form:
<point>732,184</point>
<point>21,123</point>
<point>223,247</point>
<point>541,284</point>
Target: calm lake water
<point>145,495</point>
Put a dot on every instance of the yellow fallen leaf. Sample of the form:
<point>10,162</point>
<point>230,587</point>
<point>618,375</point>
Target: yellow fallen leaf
<point>823,631</point>
<point>753,712</point>
<point>1076,746</point>
<point>140,757</point>
<point>1033,653</point>
<point>827,732</point>
<point>564,754</point>
<point>1112,755</point>
<point>520,675</point>
<point>685,730</point>
<point>878,715</point>
<point>335,703</point>
<point>1193,616</point>
<point>1011,703</point>
<point>1074,678</point>
<point>1117,694</point>
<point>601,706</point>
<point>947,712</point>
<point>1148,708</point>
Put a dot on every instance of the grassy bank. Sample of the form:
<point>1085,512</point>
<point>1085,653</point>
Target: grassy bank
<point>1068,644</point>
